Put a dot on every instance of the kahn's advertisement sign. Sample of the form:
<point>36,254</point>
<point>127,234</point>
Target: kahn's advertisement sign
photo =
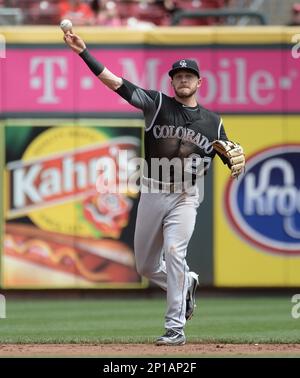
<point>257,216</point>
<point>60,230</point>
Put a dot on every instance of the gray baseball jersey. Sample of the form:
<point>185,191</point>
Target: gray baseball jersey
<point>165,221</point>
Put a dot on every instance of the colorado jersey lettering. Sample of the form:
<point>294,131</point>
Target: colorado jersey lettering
<point>173,129</point>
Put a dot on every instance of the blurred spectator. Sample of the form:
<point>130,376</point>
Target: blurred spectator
<point>295,19</point>
<point>106,13</point>
<point>43,13</point>
<point>77,11</point>
<point>190,5</point>
<point>11,3</point>
<point>144,13</point>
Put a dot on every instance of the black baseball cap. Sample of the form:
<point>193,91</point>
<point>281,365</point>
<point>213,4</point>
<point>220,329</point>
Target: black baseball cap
<point>185,64</point>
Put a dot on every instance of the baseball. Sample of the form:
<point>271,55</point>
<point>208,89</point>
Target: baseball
<point>66,25</point>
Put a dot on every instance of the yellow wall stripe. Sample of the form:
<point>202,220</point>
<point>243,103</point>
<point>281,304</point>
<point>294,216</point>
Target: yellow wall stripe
<point>160,36</point>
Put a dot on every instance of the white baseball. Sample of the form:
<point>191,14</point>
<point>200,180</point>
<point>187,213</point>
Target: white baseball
<point>66,25</point>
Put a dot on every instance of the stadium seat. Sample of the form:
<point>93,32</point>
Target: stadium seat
<point>198,5</point>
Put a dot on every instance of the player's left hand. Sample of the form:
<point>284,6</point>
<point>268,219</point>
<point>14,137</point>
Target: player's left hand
<point>234,154</point>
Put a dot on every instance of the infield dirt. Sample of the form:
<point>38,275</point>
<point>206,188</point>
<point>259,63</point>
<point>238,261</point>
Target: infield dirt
<point>149,350</point>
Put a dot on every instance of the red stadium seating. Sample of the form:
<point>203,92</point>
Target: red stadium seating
<point>198,5</point>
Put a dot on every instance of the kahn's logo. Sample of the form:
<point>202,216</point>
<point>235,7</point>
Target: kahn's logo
<point>264,206</point>
<point>64,176</point>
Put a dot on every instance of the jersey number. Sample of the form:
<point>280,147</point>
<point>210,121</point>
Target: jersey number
<point>197,165</point>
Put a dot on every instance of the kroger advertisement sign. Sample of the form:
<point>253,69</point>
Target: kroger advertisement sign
<point>264,206</point>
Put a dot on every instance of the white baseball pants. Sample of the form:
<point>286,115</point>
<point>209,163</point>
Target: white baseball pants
<point>164,225</point>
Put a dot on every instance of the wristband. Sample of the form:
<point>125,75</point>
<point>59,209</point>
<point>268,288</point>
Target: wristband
<point>95,66</point>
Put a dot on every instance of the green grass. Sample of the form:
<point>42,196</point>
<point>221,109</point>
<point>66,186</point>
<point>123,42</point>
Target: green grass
<point>221,320</point>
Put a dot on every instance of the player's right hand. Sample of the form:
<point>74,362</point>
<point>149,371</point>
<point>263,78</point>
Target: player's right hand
<point>74,41</point>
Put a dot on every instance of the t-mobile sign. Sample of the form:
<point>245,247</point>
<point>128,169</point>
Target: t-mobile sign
<point>234,80</point>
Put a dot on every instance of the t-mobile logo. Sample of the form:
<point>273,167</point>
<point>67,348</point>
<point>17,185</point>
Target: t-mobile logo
<point>48,74</point>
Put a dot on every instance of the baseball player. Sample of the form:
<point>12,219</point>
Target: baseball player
<point>175,127</point>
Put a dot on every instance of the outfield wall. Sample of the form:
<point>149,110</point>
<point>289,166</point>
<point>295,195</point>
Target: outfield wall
<point>56,118</point>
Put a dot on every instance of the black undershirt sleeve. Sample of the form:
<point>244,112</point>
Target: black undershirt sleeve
<point>140,98</point>
<point>223,135</point>
<point>95,66</point>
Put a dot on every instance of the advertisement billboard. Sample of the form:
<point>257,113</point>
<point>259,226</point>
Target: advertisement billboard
<point>257,217</point>
<point>61,229</point>
<point>245,79</point>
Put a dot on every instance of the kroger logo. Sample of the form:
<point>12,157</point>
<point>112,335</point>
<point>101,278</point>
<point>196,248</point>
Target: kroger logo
<point>264,206</point>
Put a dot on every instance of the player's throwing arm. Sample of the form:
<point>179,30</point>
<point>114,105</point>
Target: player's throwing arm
<point>77,45</point>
